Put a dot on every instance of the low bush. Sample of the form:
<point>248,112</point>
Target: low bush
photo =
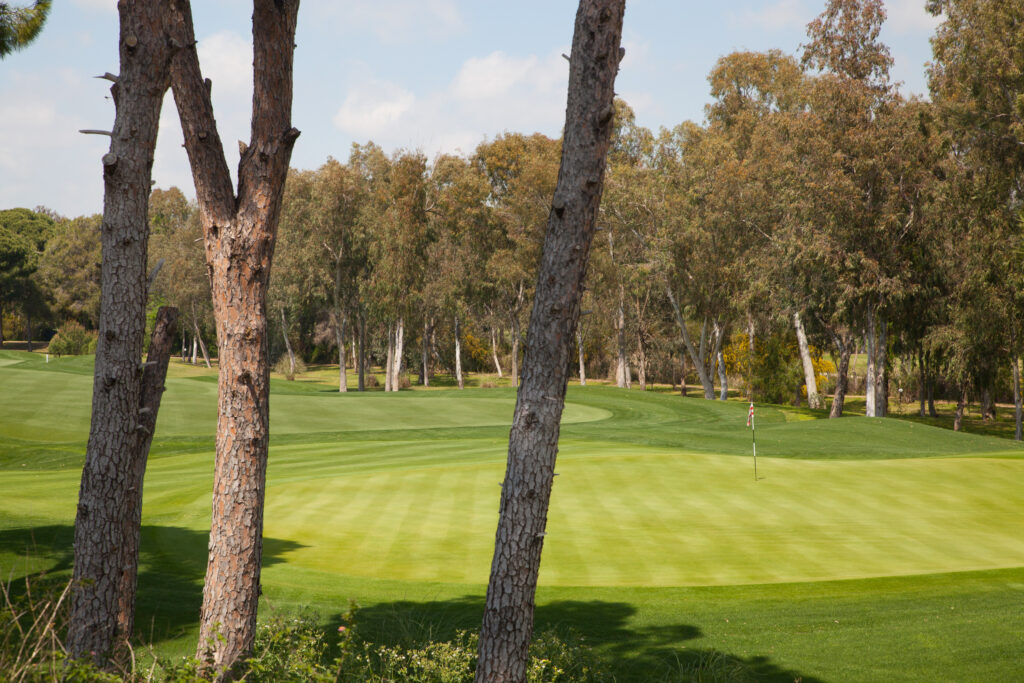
<point>72,340</point>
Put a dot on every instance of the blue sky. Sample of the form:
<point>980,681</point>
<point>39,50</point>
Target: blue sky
<point>434,75</point>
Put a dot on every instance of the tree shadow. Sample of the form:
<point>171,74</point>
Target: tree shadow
<point>629,651</point>
<point>172,566</point>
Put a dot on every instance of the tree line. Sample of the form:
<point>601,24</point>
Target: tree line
<point>816,211</point>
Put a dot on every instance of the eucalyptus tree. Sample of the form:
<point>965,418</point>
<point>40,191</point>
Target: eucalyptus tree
<point>533,441</point>
<point>23,237</point>
<point>463,229</point>
<point>69,270</point>
<point>522,171</point>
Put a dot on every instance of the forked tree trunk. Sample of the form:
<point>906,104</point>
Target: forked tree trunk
<point>696,358</point>
<point>153,378</point>
<point>533,442</point>
<point>958,418</point>
<point>239,235</point>
<point>494,352</point>
<point>106,525</point>
<point>458,353</point>
<point>844,345</point>
<point>811,382</point>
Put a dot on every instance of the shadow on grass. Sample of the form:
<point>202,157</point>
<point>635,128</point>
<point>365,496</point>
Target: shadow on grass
<point>172,565</point>
<point>628,651</point>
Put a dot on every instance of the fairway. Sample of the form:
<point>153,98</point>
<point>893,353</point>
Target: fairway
<point>394,497</point>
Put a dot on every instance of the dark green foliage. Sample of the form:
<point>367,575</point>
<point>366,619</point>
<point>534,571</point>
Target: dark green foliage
<point>19,26</point>
<point>72,340</point>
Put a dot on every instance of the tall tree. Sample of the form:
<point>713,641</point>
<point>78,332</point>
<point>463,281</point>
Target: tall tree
<point>533,442</point>
<point>239,231</point>
<point>19,26</point>
<point>110,497</point>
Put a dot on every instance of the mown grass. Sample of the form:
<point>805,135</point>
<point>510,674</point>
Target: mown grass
<point>867,549</point>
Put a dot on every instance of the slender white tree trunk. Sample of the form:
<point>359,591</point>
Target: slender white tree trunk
<point>425,351</point>
<point>288,346</point>
<point>1016,398</point>
<point>494,352</point>
<point>458,353</point>
<point>723,378</point>
<point>813,399</point>
<point>583,367</point>
<point>195,347</point>
<point>340,327</point>
<point>390,357</point>
<point>870,377</point>
<point>881,362</point>
<point>622,374</point>
<point>396,372</point>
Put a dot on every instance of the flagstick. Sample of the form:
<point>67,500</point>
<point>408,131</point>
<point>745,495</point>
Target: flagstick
<point>753,440</point>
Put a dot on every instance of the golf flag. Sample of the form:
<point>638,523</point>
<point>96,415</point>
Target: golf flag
<point>750,416</point>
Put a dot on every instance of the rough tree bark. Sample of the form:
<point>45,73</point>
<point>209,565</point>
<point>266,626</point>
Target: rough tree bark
<point>239,232</point>
<point>105,523</point>
<point>533,441</point>
<point>813,399</point>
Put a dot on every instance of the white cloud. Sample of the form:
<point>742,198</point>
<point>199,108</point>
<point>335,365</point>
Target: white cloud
<point>777,16</point>
<point>226,59</point>
<point>485,96</point>
<point>372,108</point>
<point>97,5</point>
<point>393,22</point>
<point>909,16</point>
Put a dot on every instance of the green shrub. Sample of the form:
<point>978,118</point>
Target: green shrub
<point>72,340</point>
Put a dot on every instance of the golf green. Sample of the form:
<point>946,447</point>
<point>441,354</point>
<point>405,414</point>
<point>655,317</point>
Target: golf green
<point>384,497</point>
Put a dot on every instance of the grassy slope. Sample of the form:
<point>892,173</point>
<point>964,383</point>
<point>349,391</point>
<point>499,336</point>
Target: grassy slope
<point>391,500</point>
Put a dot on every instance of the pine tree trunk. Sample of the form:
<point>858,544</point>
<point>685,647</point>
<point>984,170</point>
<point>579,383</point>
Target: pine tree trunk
<point>106,528</point>
<point>340,329</point>
<point>153,378</point>
<point>871,374</point>
<point>961,403</point>
<point>508,616</point>
<point>813,399</point>
<point>288,347</point>
<point>458,353</point>
<point>494,352</point>
<point>240,232</point>
<point>844,345</point>
<point>583,367</point>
